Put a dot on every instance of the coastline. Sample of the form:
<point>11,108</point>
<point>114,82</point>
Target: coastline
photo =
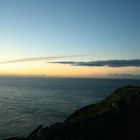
<point>94,121</point>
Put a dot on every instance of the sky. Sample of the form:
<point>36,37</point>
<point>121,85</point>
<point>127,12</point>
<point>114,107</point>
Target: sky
<point>38,36</point>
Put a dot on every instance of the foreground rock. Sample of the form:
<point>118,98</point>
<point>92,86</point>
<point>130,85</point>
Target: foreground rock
<point>115,118</point>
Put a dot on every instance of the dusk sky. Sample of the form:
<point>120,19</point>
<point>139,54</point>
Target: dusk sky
<point>34,33</point>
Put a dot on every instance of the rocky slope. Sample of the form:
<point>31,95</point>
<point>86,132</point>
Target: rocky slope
<point>115,118</point>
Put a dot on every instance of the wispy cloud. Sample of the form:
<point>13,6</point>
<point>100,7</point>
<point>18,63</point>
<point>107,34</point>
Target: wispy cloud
<point>39,59</point>
<point>108,63</point>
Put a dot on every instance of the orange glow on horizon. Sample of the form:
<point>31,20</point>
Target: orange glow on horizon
<point>37,68</point>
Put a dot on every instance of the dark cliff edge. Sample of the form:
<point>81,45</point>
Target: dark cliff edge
<point>115,118</point>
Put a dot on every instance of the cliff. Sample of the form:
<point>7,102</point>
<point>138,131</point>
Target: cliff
<point>115,118</point>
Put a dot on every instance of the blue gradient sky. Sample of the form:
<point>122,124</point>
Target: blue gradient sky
<point>104,29</point>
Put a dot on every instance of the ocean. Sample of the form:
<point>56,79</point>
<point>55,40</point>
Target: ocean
<point>27,102</point>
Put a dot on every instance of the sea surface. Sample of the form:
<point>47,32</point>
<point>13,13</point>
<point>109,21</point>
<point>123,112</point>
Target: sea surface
<point>27,102</point>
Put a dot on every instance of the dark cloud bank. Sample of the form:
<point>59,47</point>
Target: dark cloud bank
<point>99,63</point>
<point>108,63</point>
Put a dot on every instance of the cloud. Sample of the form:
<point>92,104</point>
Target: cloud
<point>39,59</point>
<point>107,63</point>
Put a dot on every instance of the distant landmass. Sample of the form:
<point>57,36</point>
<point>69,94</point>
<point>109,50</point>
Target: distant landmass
<point>124,75</point>
<point>115,118</point>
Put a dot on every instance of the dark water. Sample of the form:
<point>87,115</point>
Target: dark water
<point>26,102</point>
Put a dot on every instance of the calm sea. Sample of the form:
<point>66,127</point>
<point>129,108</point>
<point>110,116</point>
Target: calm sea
<point>26,102</point>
